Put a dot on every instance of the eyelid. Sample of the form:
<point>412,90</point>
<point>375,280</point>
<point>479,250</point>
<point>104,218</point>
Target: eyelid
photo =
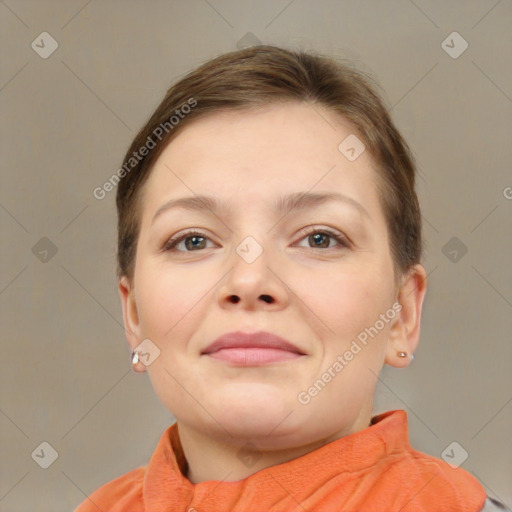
<point>171,242</point>
<point>342,240</point>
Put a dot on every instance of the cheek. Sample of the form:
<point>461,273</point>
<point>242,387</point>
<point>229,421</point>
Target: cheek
<point>345,300</point>
<point>166,299</point>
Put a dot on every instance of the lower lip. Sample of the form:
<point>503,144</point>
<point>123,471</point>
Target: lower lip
<point>254,356</point>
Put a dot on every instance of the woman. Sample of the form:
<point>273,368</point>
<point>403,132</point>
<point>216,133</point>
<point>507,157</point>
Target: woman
<point>269,266</point>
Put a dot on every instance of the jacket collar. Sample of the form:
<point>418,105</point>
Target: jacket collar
<point>375,467</point>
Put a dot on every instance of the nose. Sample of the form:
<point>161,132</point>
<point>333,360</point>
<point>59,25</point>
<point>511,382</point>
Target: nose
<point>254,284</point>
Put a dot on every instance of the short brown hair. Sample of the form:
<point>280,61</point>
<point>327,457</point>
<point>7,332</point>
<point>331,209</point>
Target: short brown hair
<point>261,75</point>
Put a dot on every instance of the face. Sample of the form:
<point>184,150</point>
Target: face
<point>319,276</point>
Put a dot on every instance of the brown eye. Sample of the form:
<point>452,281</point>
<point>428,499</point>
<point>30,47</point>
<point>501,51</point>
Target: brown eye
<point>196,242</point>
<point>193,241</point>
<point>321,239</point>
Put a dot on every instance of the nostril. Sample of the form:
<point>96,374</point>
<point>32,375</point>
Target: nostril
<point>267,298</point>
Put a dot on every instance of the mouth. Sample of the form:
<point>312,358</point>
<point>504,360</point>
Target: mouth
<point>252,349</point>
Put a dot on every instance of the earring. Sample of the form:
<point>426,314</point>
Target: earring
<point>135,358</point>
<point>402,354</point>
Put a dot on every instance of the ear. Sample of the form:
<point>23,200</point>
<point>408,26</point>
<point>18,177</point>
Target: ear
<point>405,332</point>
<point>130,315</point>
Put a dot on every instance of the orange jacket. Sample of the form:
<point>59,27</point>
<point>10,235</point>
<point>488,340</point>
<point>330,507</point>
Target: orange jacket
<point>373,470</point>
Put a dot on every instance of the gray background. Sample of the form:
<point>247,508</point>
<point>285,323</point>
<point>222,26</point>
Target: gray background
<point>66,123</point>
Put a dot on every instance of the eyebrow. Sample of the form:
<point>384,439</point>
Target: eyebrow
<point>282,206</point>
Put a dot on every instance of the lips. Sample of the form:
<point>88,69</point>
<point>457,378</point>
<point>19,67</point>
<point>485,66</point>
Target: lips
<point>252,349</point>
<point>260,339</point>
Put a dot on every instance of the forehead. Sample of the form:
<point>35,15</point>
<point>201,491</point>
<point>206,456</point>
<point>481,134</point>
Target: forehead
<point>277,132</point>
<point>244,156</point>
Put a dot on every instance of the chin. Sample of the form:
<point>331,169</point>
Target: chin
<point>252,414</point>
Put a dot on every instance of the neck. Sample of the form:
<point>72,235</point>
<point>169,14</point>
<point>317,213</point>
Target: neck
<point>217,459</point>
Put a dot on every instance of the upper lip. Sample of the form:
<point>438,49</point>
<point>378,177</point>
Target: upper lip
<point>259,339</point>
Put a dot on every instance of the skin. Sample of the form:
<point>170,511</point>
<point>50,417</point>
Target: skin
<point>319,294</point>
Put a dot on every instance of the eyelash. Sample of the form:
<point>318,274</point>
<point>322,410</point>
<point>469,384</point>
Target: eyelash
<point>342,241</point>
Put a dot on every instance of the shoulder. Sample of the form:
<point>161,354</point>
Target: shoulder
<point>431,482</point>
<point>117,494</point>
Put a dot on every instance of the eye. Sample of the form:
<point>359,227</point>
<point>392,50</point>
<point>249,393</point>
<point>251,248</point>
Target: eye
<point>321,238</point>
<point>193,240</point>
